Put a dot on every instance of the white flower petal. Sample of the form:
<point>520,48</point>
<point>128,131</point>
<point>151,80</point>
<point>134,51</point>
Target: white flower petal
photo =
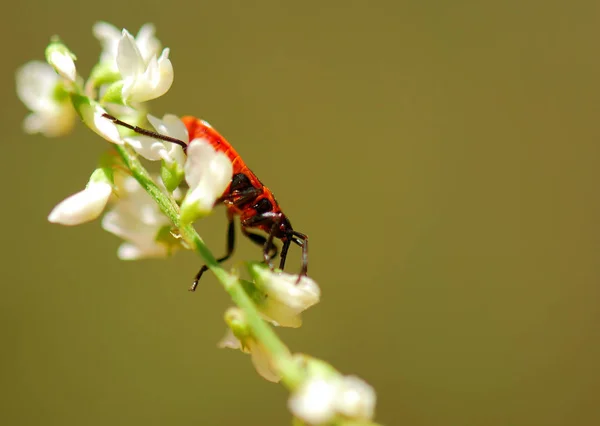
<point>199,153</point>
<point>129,59</point>
<point>152,83</point>
<point>260,357</point>
<point>164,79</point>
<point>92,115</point>
<point>63,64</point>
<point>170,125</point>
<point>148,45</point>
<point>322,397</point>
<point>35,123</point>
<point>356,398</point>
<point>262,362</point>
<point>208,173</point>
<point>149,148</point>
<point>52,122</point>
<point>143,78</point>
<point>154,149</point>
<point>314,401</point>
<point>83,206</point>
<point>37,84</point>
<point>109,37</point>
<point>136,218</point>
<point>201,200</point>
<point>286,297</point>
<point>229,341</point>
<point>280,314</point>
<point>206,164</point>
<point>128,251</point>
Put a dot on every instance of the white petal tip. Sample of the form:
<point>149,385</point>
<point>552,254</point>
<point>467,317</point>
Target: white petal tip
<point>64,65</point>
<point>83,206</point>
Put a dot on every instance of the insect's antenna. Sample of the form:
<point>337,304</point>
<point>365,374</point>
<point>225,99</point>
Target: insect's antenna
<point>146,132</point>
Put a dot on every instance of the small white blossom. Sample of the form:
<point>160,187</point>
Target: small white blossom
<point>320,399</point>
<point>137,219</point>
<point>154,149</point>
<point>110,36</point>
<point>42,91</point>
<point>286,297</point>
<point>85,205</point>
<point>143,80</point>
<point>208,173</point>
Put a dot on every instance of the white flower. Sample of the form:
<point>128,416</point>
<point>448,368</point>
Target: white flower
<point>143,79</point>
<point>85,205</point>
<point>110,36</point>
<point>286,296</point>
<point>42,91</point>
<point>320,399</point>
<point>208,173</point>
<point>137,219</point>
<point>154,149</point>
<point>260,357</point>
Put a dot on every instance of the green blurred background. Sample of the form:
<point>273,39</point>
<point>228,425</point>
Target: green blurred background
<point>442,157</point>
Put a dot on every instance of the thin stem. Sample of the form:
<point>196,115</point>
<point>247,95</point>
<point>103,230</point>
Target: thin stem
<point>290,373</point>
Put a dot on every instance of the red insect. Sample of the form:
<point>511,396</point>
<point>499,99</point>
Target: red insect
<point>245,196</point>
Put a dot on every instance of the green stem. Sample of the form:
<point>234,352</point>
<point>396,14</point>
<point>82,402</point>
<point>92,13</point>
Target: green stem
<point>290,373</point>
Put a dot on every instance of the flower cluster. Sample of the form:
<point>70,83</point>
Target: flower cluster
<point>324,395</point>
<point>143,210</point>
<point>130,72</point>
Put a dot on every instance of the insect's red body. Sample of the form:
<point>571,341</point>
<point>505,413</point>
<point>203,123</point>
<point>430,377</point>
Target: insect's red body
<point>200,129</point>
<point>245,196</point>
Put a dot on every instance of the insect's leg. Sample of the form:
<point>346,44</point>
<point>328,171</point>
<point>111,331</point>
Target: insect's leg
<point>230,247</point>
<point>284,250</point>
<point>274,228</point>
<point>302,241</point>
<point>240,197</point>
<point>267,218</point>
<point>261,241</point>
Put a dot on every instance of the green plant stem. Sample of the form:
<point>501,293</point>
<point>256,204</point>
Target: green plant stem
<point>290,373</point>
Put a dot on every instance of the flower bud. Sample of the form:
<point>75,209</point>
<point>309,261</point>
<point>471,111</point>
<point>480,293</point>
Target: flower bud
<point>62,60</point>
